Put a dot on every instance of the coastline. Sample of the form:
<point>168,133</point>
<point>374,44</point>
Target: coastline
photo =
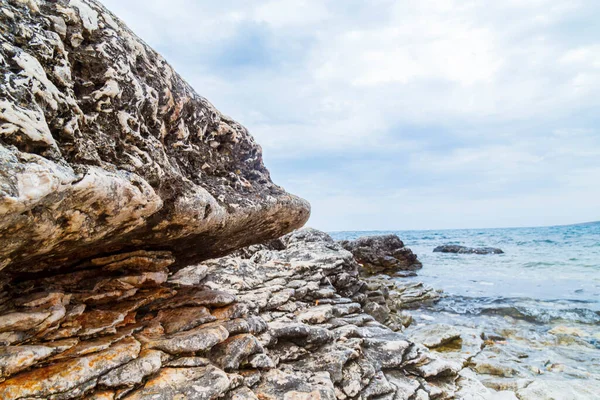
<point>145,253</point>
<point>534,348</point>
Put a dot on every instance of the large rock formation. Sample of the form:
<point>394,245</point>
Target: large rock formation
<point>104,148</point>
<point>382,254</point>
<point>116,179</point>
<point>284,323</point>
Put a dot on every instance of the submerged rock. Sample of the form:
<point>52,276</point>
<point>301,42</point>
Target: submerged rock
<point>382,254</point>
<point>453,248</point>
<point>104,147</point>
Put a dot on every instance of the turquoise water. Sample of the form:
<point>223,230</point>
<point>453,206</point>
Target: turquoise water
<point>546,273</point>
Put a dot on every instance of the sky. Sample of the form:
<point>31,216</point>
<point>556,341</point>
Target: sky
<point>395,115</point>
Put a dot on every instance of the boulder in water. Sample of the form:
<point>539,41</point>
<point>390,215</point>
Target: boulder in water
<point>382,254</point>
<point>456,249</point>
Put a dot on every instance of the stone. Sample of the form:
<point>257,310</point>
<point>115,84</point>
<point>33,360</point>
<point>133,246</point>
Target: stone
<point>96,321</point>
<point>184,318</point>
<point>235,350</point>
<point>207,298</point>
<point>330,359</point>
<point>105,147</point>
<point>293,385</point>
<point>132,373</point>
<point>571,389</point>
<point>453,248</point>
<point>387,353</point>
<point>199,383</point>
<point>261,361</point>
<point>434,335</point>
<point>67,375</point>
<point>242,393</point>
<point>22,321</point>
<point>197,339</point>
<point>382,254</point>
<point>17,358</point>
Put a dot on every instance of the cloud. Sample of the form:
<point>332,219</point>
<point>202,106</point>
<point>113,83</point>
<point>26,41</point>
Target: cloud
<point>387,113</point>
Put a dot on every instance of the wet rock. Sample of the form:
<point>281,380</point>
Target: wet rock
<point>452,248</point>
<point>382,254</point>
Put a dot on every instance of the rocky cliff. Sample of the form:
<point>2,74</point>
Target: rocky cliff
<point>103,147</point>
<point>119,186</point>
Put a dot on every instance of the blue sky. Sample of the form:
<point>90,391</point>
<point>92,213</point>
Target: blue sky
<point>386,115</point>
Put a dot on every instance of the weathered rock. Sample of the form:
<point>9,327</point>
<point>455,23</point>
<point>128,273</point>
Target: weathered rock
<point>435,335</point>
<point>294,385</point>
<point>230,353</point>
<point>17,358</point>
<point>202,383</point>
<point>572,389</point>
<point>67,375</point>
<point>132,373</point>
<point>184,318</point>
<point>382,254</point>
<point>453,248</point>
<point>104,147</point>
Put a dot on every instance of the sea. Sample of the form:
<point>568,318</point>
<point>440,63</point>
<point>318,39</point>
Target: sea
<point>547,275</point>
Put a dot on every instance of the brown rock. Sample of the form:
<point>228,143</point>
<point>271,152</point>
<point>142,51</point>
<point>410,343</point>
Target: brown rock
<point>106,148</point>
<point>184,318</point>
<point>68,375</point>
<point>200,383</point>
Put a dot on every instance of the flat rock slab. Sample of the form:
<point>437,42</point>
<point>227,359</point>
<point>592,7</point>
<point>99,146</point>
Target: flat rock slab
<point>435,335</point>
<point>201,383</point>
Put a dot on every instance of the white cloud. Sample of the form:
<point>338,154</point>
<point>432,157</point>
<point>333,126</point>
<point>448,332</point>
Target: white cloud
<point>463,104</point>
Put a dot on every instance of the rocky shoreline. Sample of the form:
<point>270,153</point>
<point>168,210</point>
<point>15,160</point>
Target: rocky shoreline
<point>145,252</point>
<point>289,320</point>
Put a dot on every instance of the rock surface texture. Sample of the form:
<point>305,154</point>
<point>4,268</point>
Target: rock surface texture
<point>382,254</point>
<point>453,248</point>
<point>119,186</point>
<point>289,320</point>
<point>104,148</point>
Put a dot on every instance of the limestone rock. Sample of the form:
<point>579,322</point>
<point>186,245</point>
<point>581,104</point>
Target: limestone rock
<point>103,146</point>
<point>202,383</point>
<point>198,339</point>
<point>382,254</point>
<point>435,335</point>
<point>68,375</point>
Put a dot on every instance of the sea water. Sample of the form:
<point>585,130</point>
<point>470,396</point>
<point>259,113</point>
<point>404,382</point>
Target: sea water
<point>546,274</point>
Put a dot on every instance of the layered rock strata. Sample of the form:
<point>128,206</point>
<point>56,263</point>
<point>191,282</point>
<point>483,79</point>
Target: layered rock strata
<point>104,148</point>
<point>270,324</point>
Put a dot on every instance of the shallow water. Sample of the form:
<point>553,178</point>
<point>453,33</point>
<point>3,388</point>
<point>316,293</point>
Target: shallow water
<point>547,274</point>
